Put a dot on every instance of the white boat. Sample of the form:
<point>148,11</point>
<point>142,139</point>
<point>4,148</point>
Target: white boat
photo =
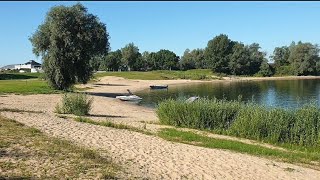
<point>159,86</point>
<point>129,98</point>
<point>192,99</point>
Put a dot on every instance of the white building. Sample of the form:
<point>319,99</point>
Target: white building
<point>32,65</point>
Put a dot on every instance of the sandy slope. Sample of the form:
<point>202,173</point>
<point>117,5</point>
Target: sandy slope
<point>143,155</point>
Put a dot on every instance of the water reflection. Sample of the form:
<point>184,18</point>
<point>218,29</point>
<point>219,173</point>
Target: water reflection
<point>280,93</point>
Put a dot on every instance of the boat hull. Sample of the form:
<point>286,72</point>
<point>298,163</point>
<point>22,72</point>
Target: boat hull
<point>159,87</point>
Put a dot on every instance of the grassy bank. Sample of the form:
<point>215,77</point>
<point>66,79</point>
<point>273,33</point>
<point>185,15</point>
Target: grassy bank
<point>32,86</point>
<point>248,120</point>
<point>308,156</point>
<point>196,74</point>
<point>26,153</point>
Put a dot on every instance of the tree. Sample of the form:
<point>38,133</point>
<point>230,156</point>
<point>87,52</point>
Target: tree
<point>239,60</point>
<point>153,61</point>
<point>187,61</point>
<point>304,58</point>
<point>113,60</point>
<point>245,60</point>
<point>265,69</point>
<point>193,59</point>
<point>130,56</point>
<point>67,40</point>
<point>167,60</point>
<point>198,54</point>
<point>218,52</point>
<point>256,58</point>
<point>280,56</point>
<point>96,62</point>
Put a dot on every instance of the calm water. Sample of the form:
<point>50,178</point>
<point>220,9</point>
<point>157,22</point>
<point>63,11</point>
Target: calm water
<point>282,93</point>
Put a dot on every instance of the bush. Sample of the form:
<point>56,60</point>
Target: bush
<point>249,120</point>
<point>77,104</point>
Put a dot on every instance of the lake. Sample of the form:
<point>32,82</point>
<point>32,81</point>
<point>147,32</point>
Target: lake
<point>280,93</point>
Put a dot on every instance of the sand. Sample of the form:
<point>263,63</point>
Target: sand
<point>144,156</point>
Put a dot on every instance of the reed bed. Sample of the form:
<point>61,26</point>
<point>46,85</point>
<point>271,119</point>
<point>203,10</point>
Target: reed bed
<point>249,120</point>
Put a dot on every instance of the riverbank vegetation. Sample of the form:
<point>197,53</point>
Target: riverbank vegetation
<point>247,120</point>
<point>194,74</point>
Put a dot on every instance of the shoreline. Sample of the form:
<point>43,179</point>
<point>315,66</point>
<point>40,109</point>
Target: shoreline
<point>142,155</point>
<point>139,85</point>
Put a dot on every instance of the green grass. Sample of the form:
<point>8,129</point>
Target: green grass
<point>111,124</point>
<point>29,154</point>
<point>247,120</point>
<point>196,74</point>
<point>14,76</point>
<point>32,86</point>
<point>309,156</point>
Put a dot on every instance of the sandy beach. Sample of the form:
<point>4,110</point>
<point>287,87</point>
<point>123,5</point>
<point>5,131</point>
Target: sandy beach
<point>144,156</point>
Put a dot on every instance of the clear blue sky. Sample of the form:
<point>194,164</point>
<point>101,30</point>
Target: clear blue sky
<point>170,25</point>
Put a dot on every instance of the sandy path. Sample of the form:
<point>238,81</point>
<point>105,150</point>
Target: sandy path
<point>143,155</point>
<point>152,157</point>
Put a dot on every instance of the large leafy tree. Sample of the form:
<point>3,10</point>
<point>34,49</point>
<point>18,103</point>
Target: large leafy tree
<point>113,60</point>
<point>265,69</point>
<point>218,52</point>
<point>239,60</point>
<point>187,61</point>
<point>131,56</point>
<point>153,61</point>
<point>256,58</point>
<point>281,56</point>
<point>167,60</point>
<point>193,59</point>
<point>304,59</point>
<point>67,40</point>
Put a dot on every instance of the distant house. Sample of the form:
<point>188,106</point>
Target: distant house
<point>32,65</point>
<point>8,67</point>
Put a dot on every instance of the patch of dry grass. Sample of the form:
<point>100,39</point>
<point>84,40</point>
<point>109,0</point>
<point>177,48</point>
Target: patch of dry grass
<point>26,153</point>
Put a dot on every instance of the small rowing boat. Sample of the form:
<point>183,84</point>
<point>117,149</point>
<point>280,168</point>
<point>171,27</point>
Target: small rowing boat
<point>159,86</point>
<point>129,98</point>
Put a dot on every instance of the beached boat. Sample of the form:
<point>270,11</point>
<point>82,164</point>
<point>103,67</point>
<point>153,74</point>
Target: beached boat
<point>129,98</point>
<point>192,99</point>
<point>159,86</point>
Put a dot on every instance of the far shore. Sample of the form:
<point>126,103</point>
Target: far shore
<point>114,84</point>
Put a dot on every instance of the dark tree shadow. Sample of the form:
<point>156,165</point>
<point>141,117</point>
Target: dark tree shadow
<point>14,177</point>
<point>15,76</point>
<point>112,95</point>
<point>100,84</point>
<point>106,116</point>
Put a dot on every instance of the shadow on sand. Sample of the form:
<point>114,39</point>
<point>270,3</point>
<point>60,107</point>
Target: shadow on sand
<point>106,116</point>
<point>111,95</point>
<point>100,84</point>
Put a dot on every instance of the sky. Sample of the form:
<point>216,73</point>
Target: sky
<point>175,26</point>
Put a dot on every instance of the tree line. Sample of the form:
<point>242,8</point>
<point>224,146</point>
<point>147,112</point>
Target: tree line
<point>222,55</point>
<point>73,43</point>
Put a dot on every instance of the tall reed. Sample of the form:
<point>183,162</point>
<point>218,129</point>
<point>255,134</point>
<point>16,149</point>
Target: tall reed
<point>248,120</point>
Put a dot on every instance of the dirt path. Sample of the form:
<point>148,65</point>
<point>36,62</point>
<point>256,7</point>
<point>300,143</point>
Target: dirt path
<point>144,156</point>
